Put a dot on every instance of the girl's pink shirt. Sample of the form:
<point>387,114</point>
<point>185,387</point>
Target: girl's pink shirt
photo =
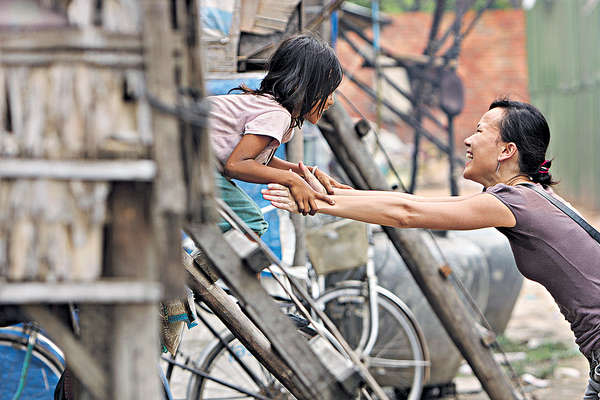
<point>233,115</point>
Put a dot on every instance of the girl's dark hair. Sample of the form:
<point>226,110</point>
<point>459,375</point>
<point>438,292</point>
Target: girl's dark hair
<point>525,126</point>
<point>301,73</point>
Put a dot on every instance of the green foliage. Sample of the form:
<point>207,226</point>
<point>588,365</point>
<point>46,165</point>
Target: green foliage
<point>396,6</point>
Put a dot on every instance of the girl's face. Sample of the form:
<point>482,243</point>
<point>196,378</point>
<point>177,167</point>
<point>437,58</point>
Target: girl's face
<point>314,115</point>
<point>484,148</point>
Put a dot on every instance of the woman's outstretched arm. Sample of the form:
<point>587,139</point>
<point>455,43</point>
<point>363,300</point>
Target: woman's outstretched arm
<point>400,210</point>
<point>439,199</point>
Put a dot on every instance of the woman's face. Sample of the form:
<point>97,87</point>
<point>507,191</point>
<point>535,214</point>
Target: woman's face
<point>483,148</point>
<point>314,115</point>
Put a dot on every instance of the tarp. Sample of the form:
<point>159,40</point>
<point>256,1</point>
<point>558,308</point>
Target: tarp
<point>217,18</point>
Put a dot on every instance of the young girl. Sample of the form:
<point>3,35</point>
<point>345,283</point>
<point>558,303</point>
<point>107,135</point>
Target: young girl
<point>247,128</point>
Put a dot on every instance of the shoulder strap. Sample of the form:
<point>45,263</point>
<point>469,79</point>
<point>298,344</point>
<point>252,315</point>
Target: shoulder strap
<point>567,210</point>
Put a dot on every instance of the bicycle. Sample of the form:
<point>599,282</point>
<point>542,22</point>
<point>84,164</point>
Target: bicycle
<point>396,353</point>
<point>378,324</point>
<point>41,363</point>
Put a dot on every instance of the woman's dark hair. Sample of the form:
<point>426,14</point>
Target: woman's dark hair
<point>525,126</point>
<point>301,73</point>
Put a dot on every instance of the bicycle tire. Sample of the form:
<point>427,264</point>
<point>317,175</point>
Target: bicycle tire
<point>46,365</point>
<point>399,338</point>
<point>218,363</point>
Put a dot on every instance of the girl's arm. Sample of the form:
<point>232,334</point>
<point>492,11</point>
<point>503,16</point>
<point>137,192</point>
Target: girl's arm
<point>399,210</point>
<point>242,165</point>
<point>278,163</point>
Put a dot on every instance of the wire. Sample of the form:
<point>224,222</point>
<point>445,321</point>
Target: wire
<point>25,369</point>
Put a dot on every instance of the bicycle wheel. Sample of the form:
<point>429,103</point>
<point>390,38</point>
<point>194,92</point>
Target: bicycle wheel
<point>218,363</point>
<point>399,358</point>
<point>45,366</point>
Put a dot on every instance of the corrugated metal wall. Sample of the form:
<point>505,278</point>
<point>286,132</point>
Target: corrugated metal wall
<point>563,44</point>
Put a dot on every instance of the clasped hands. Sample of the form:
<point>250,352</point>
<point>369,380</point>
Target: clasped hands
<point>296,200</point>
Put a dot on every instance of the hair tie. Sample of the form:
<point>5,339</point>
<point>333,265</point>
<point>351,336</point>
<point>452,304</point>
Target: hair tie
<point>543,169</point>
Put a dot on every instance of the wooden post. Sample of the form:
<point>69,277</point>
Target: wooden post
<point>295,154</point>
<point>124,338</point>
<point>414,246</point>
<point>169,195</point>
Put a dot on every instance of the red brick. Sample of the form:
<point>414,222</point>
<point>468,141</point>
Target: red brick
<point>492,63</point>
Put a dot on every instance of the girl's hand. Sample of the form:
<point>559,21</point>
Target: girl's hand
<point>305,196</point>
<point>314,183</point>
<point>325,180</point>
<point>280,197</point>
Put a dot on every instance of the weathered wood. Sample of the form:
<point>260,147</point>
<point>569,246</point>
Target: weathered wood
<point>198,160</point>
<point>295,154</point>
<point>240,325</point>
<point>60,112</point>
<point>51,230</point>
<point>169,191</point>
<point>100,291</point>
<point>124,338</point>
<point>80,361</point>
<point>317,381</point>
<point>86,170</point>
<point>71,45</point>
<point>417,251</point>
<point>71,38</point>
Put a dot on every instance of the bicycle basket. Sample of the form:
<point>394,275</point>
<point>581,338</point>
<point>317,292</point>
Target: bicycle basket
<point>337,246</point>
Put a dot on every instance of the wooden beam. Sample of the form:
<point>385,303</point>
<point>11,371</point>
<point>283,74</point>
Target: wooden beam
<point>72,39</point>
<point>71,45</point>
<point>86,170</point>
<point>414,247</point>
<point>124,337</point>
<point>104,291</point>
<point>169,191</point>
<point>241,326</point>
<point>317,380</point>
<point>46,58</point>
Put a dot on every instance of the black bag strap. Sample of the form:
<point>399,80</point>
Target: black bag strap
<point>567,210</point>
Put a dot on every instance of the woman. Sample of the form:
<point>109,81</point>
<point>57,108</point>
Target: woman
<point>507,150</point>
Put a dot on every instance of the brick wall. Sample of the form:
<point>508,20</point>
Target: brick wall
<point>492,63</point>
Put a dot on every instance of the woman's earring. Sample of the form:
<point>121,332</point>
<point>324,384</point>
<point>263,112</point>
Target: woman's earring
<point>498,166</point>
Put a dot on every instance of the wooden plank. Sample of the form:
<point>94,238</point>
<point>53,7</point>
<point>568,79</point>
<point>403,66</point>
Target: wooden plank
<point>45,58</point>
<point>103,291</point>
<point>89,39</point>
<point>86,170</point>
<point>318,381</point>
<point>240,325</point>
<point>295,154</point>
<point>79,360</point>
<point>415,248</point>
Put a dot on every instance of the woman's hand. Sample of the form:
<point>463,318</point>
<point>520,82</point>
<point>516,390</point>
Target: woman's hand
<point>305,196</point>
<point>325,180</point>
<point>280,197</point>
